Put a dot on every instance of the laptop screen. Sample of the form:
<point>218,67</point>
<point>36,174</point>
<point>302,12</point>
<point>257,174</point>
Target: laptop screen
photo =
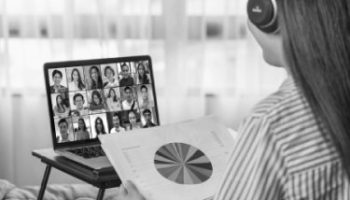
<point>104,96</point>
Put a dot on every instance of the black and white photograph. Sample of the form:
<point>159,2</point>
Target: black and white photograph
<point>60,104</point>
<point>126,73</point>
<point>145,96</point>
<point>64,130</point>
<point>58,80</point>
<point>115,122</point>
<point>142,73</point>
<point>175,99</point>
<point>99,125</point>
<point>76,79</point>
<point>113,99</point>
<point>129,98</point>
<point>82,128</point>
<point>97,102</point>
<point>110,75</point>
<point>79,103</point>
<point>93,77</point>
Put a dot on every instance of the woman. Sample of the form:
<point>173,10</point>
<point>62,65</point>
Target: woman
<point>113,102</point>
<point>76,82</point>
<point>95,78</point>
<point>111,80</point>
<point>133,120</point>
<point>295,144</point>
<point>99,127</point>
<point>60,109</point>
<point>96,104</point>
<point>82,132</point>
<point>142,75</point>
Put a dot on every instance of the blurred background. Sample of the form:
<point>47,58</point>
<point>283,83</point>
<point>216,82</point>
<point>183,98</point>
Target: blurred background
<point>204,59</point>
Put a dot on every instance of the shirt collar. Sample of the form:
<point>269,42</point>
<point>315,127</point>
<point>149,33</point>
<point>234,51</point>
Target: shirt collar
<point>288,84</point>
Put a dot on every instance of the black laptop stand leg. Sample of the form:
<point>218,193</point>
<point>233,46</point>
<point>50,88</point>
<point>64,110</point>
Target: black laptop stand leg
<point>101,192</point>
<point>44,182</point>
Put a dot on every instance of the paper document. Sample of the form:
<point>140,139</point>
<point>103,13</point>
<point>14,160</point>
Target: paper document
<point>183,161</point>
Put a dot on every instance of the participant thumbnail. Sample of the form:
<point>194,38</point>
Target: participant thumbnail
<point>115,122</point>
<point>60,104</point>
<point>148,118</point>
<point>81,127</point>
<point>132,121</point>
<point>110,75</point>
<point>76,79</point>
<point>129,101</point>
<point>145,96</point>
<point>99,124</point>
<point>97,102</point>
<point>113,99</point>
<point>126,77</point>
<point>79,103</point>
<point>64,131</point>
<point>58,81</point>
<point>143,74</point>
<point>93,77</point>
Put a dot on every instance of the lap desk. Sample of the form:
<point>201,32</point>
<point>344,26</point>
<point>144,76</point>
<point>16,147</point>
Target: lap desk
<point>102,180</point>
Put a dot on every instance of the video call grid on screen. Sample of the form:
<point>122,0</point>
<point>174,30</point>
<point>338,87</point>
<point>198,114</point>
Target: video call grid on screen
<point>87,99</point>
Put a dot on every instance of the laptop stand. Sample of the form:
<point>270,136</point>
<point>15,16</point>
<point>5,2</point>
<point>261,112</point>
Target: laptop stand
<point>102,181</point>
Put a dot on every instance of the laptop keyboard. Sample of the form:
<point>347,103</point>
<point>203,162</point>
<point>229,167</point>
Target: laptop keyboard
<point>89,152</point>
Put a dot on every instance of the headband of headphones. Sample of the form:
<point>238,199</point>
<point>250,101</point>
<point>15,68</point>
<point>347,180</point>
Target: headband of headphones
<point>263,14</point>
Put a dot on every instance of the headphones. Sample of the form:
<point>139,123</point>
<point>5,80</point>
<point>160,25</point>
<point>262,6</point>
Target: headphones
<point>263,14</point>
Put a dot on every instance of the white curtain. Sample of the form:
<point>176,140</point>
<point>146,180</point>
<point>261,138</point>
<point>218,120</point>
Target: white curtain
<point>204,59</point>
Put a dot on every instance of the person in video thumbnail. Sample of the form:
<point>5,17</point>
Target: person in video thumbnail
<point>97,103</point>
<point>60,108</point>
<point>65,136</point>
<point>126,79</point>
<point>110,75</point>
<point>147,114</point>
<point>113,101</point>
<point>145,101</point>
<point>117,128</point>
<point>81,132</point>
<point>133,120</point>
<point>79,101</point>
<point>141,74</point>
<point>129,103</point>
<point>95,78</point>
<point>76,82</point>
<point>57,79</point>
<point>99,127</point>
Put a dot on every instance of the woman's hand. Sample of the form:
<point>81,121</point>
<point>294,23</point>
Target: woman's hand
<point>129,192</point>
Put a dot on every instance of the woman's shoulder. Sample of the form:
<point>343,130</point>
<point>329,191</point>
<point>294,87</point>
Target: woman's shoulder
<point>287,98</point>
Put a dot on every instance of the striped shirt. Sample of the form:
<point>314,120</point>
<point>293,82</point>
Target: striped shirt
<point>282,153</point>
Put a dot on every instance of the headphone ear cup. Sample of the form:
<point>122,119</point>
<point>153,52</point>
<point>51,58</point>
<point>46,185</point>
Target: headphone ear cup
<point>263,14</point>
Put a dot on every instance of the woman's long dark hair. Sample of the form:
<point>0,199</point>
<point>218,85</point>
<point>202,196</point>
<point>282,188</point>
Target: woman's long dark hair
<point>94,84</point>
<point>81,119</point>
<point>115,94</point>
<point>316,39</point>
<point>103,127</point>
<point>96,93</point>
<point>143,78</point>
<point>80,82</point>
<point>60,106</point>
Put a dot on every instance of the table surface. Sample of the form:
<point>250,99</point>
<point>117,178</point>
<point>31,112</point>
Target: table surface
<point>101,179</point>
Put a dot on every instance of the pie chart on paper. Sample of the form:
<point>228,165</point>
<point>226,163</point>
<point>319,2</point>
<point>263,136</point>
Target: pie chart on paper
<point>183,163</point>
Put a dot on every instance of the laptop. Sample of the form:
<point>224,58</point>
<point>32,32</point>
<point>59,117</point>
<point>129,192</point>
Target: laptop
<point>87,98</point>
